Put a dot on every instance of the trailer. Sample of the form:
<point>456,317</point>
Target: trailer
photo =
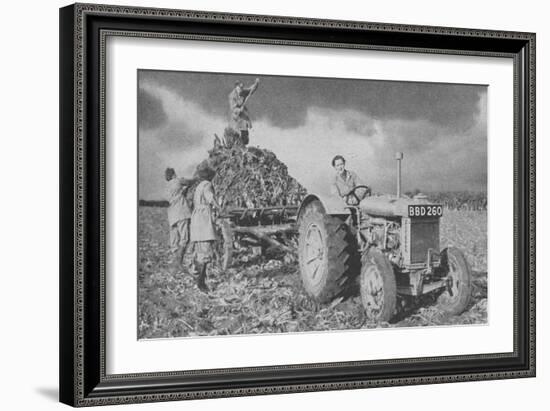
<point>273,227</point>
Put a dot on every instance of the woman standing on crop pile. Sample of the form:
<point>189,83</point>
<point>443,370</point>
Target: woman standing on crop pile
<point>202,230</point>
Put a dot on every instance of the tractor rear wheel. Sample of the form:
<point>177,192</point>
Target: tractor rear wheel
<point>377,285</point>
<point>456,296</point>
<point>327,253</point>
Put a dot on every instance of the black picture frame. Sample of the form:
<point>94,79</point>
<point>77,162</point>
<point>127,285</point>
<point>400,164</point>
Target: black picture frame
<point>83,29</point>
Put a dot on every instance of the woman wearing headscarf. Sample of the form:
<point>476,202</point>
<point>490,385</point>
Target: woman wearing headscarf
<point>202,229</point>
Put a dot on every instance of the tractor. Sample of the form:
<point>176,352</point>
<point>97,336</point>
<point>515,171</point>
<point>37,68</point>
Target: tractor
<point>387,245</point>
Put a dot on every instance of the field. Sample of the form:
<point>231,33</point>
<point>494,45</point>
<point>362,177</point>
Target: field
<point>265,295</point>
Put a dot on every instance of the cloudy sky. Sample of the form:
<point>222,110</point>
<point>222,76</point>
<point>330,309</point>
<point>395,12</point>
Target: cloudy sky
<point>441,128</point>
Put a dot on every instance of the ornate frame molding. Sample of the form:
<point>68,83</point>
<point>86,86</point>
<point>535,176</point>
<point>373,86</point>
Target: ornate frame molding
<point>82,368</point>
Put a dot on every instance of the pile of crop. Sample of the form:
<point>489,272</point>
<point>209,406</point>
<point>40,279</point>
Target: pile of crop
<point>251,177</point>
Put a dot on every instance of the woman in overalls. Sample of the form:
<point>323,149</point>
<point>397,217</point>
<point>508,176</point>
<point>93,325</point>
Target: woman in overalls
<point>202,230</point>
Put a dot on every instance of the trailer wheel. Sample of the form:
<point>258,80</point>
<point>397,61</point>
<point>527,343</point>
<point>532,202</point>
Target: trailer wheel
<point>455,298</point>
<point>377,285</point>
<point>326,252</point>
<point>224,244</point>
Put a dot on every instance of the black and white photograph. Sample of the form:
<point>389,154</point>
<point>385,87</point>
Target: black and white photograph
<point>277,204</point>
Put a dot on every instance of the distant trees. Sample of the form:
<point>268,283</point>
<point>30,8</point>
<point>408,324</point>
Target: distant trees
<point>454,200</point>
<point>460,200</point>
<point>153,203</point>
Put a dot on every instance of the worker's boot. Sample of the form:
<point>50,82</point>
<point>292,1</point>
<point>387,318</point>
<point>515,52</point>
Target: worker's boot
<point>201,280</point>
<point>176,265</point>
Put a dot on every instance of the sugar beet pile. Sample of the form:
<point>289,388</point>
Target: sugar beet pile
<point>250,177</point>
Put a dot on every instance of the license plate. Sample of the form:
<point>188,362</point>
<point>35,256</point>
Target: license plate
<point>425,210</point>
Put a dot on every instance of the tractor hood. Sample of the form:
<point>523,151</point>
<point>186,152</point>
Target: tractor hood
<point>389,206</point>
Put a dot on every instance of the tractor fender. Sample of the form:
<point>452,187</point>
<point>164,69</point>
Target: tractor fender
<point>332,205</point>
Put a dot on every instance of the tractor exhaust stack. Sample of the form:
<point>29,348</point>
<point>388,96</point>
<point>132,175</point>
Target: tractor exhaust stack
<point>399,157</point>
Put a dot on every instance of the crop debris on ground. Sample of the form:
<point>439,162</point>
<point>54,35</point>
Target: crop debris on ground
<point>261,295</point>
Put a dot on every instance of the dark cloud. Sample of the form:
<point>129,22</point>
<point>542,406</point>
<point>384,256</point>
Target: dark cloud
<point>434,160</point>
<point>284,101</point>
<point>441,128</point>
<point>151,114</point>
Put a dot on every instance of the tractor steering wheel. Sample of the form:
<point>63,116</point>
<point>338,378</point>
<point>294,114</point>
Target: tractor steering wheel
<point>353,194</point>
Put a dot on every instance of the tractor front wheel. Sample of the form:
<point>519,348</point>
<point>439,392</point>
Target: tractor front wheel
<point>456,296</point>
<point>378,287</point>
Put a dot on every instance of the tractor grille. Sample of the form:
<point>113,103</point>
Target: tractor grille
<point>424,235</point>
<point>421,234</point>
